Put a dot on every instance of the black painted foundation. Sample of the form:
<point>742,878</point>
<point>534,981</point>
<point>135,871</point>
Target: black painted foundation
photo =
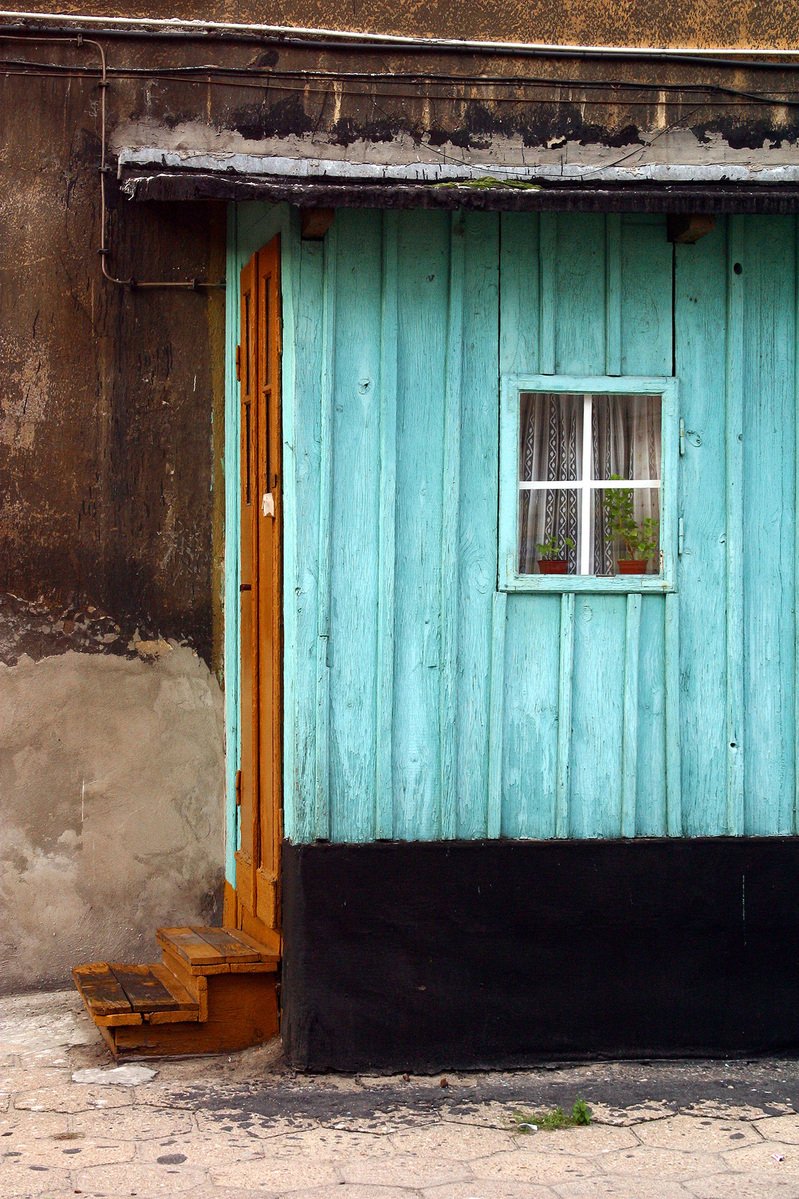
<point>427,956</point>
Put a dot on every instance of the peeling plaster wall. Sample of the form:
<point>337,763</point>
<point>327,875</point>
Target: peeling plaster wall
<point>111,778</point>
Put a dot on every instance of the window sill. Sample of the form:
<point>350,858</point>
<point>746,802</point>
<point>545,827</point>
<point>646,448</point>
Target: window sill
<point>588,584</point>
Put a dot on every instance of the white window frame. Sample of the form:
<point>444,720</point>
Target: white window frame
<point>510,485</point>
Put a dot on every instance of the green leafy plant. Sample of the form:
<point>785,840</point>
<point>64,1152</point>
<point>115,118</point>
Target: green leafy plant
<point>554,546</point>
<point>553,1119</point>
<point>639,538</point>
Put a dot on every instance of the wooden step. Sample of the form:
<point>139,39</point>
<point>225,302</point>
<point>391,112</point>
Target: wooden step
<point>118,995</point>
<point>202,950</point>
<point>215,991</point>
<point>242,1012</point>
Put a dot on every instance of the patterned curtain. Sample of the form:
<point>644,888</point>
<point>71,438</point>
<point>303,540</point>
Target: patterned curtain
<point>625,441</point>
<point>551,434</point>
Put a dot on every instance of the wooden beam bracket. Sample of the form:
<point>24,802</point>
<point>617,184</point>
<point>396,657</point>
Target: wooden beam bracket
<point>687,228</point>
<point>315,222</point>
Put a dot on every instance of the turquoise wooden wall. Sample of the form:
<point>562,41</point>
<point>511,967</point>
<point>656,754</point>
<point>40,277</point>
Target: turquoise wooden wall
<point>421,703</point>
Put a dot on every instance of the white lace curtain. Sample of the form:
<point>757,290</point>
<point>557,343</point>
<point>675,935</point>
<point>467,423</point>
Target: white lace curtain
<point>625,441</point>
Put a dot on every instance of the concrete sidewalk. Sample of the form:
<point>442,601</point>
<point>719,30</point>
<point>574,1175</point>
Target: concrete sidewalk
<point>248,1126</point>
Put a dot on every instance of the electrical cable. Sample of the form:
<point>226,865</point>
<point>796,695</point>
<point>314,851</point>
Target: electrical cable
<point>221,76</point>
<point>104,248</point>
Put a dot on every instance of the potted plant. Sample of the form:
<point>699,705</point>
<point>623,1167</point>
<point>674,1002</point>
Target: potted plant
<point>640,539</point>
<point>552,555</point>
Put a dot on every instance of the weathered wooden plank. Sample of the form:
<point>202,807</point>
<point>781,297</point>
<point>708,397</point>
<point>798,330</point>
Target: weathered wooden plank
<point>354,518</point>
<point>700,307</point>
<point>294,760</point>
<point>520,299</point>
<point>450,522</point>
<point>187,1006</point>
<point>321,819</point>
<point>189,945</point>
<point>734,521</point>
<point>674,818</point>
<point>580,301</point>
<point>650,808</point>
<point>101,989</point>
<point>519,268</point>
<point>565,681</point>
<point>195,983</point>
<point>520,346</point>
<point>629,750</point>
<point>144,989</point>
<point>597,716</point>
<point>301,579</point>
<point>613,295</point>
<point>229,943</point>
<point>646,317</point>
<point>108,1036</point>
<point>547,292</point>
<point>269,943</point>
<point>422,330</point>
<point>477,531</point>
<point>769,525</point>
<point>384,780</point>
<point>496,714</point>
<point>530,725</point>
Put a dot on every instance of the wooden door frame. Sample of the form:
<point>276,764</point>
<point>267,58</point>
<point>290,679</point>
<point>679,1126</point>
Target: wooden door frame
<point>253,904</point>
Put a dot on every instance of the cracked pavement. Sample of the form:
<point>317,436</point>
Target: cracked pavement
<point>247,1125</point>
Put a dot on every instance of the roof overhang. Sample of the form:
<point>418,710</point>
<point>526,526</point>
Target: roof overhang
<point>153,174</point>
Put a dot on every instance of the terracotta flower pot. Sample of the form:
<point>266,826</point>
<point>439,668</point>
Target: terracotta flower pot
<point>632,566</point>
<point>553,566</point>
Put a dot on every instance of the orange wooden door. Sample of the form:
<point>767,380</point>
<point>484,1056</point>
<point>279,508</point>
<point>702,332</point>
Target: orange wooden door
<point>260,779</point>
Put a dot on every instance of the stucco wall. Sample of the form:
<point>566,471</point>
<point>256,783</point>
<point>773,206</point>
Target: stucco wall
<point>111,776</point>
<point>600,22</point>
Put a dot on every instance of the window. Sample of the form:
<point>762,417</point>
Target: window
<point>585,483</point>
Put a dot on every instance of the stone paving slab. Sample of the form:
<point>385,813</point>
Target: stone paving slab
<point>244,1125</point>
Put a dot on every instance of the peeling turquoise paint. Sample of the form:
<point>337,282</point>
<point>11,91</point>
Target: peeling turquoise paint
<point>421,702</point>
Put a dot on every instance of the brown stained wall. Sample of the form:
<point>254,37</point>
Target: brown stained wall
<point>105,395</point>
<point>603,22</point>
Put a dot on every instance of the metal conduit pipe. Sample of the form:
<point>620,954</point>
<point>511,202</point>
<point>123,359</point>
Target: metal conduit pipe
<point>104,248</point>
